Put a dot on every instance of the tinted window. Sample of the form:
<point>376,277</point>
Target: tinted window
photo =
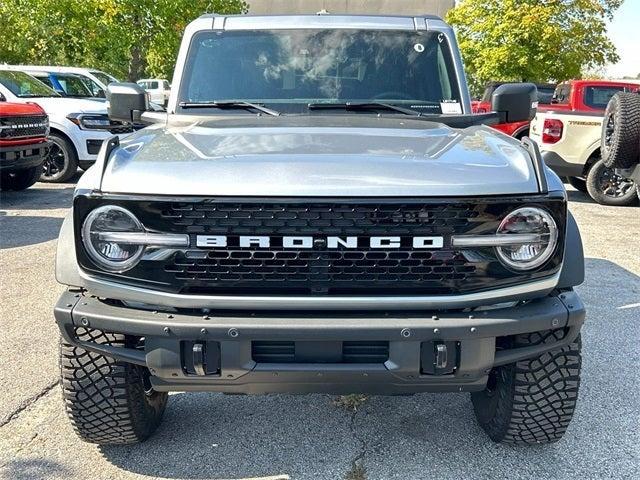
<point>46,80</point>
<point>561,95</point>
<point>303,66</point>
<point>545,95</point>
<point>598,97</point>
<point>25,86</point>
<point>74,86</point>
<point>103,77</point>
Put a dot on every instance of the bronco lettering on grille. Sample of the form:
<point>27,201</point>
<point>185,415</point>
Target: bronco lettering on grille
<point>308,242</point>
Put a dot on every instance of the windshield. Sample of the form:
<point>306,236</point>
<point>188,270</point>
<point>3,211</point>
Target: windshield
<point>24,86</point>
<point>293,68</point>
<point>105,78</point>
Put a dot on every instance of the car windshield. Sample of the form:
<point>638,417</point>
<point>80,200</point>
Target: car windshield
<point>25,86</point>
<point>293,68</point>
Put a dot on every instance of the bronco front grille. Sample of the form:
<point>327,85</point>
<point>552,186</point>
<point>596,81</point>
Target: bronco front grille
<point>277,270</point>
<point>17,127</point>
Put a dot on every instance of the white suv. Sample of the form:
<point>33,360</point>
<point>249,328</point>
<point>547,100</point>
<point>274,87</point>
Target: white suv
<point>96,80</point>
<point>157,88</point>
<point>78,126</point>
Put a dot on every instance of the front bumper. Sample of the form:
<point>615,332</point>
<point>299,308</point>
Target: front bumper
<point>167,335</point>
<point>20,157</point>
<point>88,142</point>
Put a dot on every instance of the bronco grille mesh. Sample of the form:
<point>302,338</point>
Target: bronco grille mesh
<point>308,271</point>
<point>327,219</point>
<point>23,126</point>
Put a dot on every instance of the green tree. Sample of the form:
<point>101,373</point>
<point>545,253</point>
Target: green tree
<point>532,40</point>
<point>128,38</point>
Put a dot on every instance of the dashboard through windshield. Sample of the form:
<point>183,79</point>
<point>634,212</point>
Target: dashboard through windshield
<point>294,68</point>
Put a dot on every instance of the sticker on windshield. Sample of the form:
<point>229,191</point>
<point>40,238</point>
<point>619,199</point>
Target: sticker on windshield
<point>418,47</point>
<point>450,107</point>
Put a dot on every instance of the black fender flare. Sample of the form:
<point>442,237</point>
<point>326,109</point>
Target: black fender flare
<point>572,272</point>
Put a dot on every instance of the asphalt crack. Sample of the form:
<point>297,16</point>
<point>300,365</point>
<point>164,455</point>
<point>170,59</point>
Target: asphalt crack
<point>358,470</point>
<point>27,403</point>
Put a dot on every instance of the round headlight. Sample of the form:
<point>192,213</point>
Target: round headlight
<point>542,231</point>
<point>114,256</point>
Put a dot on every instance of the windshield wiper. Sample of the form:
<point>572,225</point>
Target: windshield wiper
<point>230,105</point>
<point>364,106</point>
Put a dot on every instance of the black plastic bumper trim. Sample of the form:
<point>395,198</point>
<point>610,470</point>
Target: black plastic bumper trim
<point>475,331</point>
<point>559,165</point>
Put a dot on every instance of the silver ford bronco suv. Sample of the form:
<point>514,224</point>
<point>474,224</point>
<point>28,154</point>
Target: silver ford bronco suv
<point>319,211</point>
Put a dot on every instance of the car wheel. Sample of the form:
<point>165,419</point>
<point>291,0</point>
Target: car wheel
<point>531,401</point>
<point>620,139</point>
<point>579,184</point>
<point>61,162</point>
<point>108,402</point>
<point>20,179</point>
<point>606,187</point>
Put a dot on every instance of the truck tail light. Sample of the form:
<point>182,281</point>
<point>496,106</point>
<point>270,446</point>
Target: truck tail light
<point>552,130</point>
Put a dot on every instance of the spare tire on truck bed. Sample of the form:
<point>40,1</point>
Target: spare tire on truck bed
<point>621,131</point>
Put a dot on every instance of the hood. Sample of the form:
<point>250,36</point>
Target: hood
<point>28,108</point>
<point>319,156</point>
<point>63,106</point>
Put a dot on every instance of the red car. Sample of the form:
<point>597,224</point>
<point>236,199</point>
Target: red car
<point>574,95</point>
<point>588,95</point>
<point>23,144</point>
<point>514,129</point>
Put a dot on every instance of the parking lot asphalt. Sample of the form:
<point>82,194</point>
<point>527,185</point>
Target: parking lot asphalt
<point>315,436</point>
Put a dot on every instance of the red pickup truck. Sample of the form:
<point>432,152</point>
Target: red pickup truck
<point>23,144</point>
<point>574,95</point>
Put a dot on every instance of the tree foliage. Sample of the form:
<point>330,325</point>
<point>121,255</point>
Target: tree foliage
<point>128,38</point>
<point>532,40</point>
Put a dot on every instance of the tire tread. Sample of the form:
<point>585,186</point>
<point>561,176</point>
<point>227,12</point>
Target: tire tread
<point>538,396</point>
<point>105,399</point>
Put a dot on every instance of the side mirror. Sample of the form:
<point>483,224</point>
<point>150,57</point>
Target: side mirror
<point>515,102</point>
<point>2,97</point>
<point>100,93</point>
<point>126,102</point>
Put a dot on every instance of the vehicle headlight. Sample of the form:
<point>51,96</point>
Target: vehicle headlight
<point>91,122</point>
<point>537,235</point>
<point>101,240</point>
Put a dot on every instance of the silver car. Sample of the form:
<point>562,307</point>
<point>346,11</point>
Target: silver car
<point>319,211</point>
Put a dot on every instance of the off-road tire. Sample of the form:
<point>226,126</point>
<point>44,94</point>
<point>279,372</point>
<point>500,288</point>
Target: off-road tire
<point>61,162</point>
<point>620,138</point>
<point>603,195</point>
<point>108,402</point>
<point>531,401</point>
<point>20,179</point>
<point>579,184</point>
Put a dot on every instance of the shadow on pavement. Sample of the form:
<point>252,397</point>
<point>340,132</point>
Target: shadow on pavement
<point>309,437</point>
<point>23,230</point>
<point>30,469</point>
<point>37,198</point>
